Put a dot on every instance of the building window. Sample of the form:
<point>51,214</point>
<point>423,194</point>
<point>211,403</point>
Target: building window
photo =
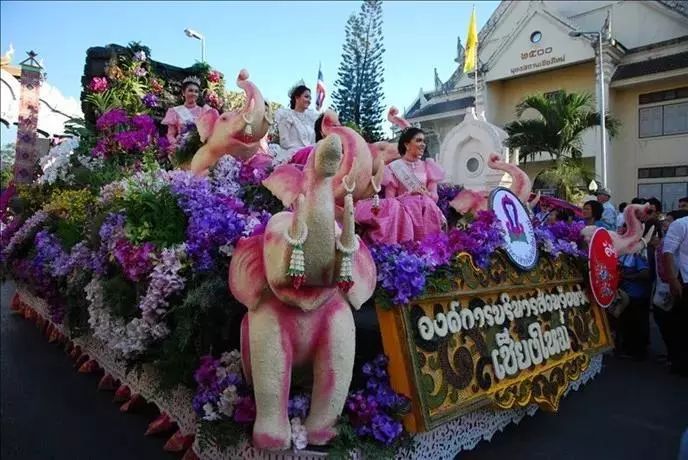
<point>668,193</point>
<point>663,96</point>
<point>663,120</point>
<point>536,36</point>
<point>663,172</point>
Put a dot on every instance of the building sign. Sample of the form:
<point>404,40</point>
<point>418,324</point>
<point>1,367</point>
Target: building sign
<point>519,235</point>
<point>537,52</point>
<point>537,65</point>
<point>504,338</point>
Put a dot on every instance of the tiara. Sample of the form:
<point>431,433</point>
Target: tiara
<point>296,85</point>
<point>192,79</point>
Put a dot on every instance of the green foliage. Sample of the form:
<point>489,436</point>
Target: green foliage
<point>77,305</point>
<point>561,120</point>
<point>204,319</point>
<point>6,164</point>
<point>135,47</point>
<point>185,152</point>
<point>121,295</point>
<point>358,95</point>
<point>220,434</point>
<point>68,233</point>
<point>154,217</point>
<point>102,102</point>
<point>570,177</point>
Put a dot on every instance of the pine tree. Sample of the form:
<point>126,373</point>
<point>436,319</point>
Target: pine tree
<point>358,94</point>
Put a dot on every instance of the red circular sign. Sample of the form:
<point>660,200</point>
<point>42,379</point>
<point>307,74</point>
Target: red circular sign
<point>603,271</point>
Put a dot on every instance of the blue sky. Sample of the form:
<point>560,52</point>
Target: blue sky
<point>278,42</point>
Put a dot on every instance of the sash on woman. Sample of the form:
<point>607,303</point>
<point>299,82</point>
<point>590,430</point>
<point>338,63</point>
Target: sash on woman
<point>185,114</point>
<point>404,174</point>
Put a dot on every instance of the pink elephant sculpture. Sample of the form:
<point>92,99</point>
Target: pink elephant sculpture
<point>239,134</point>
<point>389,151</point>
<point>357,162</point>
<point>632,240</point>
<point>472,201</point>
<point>299,281</point>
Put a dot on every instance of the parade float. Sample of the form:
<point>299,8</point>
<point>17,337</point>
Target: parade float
<point>238,296</point>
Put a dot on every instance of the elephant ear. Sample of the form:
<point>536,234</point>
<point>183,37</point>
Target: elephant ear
<point>206,124</point>
<point>247,281</point>
<point>364,277</point>
<point>285,182</point>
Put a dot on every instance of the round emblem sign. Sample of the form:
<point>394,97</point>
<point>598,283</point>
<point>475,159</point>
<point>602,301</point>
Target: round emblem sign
<point>519,236</point>
<point>604,271</point>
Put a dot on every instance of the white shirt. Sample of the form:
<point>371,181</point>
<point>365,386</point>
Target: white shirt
<point>620,221</point>
<point>609,214</point>
<point>296,129</point>
<point>676,242</point>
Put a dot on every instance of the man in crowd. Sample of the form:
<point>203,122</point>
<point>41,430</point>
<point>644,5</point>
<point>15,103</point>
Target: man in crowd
<point>675,258</point>
<point>609,212</point>
<point>683,203</point>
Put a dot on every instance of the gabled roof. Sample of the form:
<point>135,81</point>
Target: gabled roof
<point>652,66</point>
<point>680,6</point>
<point>441,107</point>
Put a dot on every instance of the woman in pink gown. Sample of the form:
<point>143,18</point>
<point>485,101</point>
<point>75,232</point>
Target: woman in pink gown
<point>409,210</point>
<point>179,118</point>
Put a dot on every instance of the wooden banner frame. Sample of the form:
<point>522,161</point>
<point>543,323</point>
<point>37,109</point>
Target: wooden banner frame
<point>454,372</point>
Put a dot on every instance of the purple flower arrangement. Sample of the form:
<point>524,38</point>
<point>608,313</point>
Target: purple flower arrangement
<point>402,268</point>
<point>214,220</point>
<point>446,193</point>
<point>401,271</point>
<point>374,411</point>
<point>222,393</point>
<point>479,239</point>
<point>123,133</point>
<point>150,100</point>
<point>136,261</point>
<point>561,238</point>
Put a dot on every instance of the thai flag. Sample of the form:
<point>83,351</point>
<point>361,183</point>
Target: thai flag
<point>320,91</point>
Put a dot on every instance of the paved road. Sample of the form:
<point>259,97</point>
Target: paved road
<point>630,411</point>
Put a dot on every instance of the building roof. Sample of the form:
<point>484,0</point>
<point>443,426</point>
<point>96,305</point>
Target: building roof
<point>652,66</point>
<point>441,107</point>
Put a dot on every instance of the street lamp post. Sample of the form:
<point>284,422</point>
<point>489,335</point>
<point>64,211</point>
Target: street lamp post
<point>193,34</point>
<point>603,127</point>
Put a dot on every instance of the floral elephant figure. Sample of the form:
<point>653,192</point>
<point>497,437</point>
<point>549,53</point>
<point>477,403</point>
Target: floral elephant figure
<point>239,133</point>
<point>299,281</point>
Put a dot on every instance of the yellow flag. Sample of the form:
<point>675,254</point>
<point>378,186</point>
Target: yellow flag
<point>471,56</point>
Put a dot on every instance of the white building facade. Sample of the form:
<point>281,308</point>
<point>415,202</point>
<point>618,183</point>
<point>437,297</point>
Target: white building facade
<point>526,48</point>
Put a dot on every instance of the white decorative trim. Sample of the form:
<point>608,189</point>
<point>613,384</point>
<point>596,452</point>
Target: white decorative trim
<point>444,442</point>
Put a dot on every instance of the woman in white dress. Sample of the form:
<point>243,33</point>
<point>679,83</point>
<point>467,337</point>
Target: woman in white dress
<point>296,125</point>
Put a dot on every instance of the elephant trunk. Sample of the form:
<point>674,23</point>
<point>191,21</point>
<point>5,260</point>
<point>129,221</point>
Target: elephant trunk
<point>256,113</point>
<point>319,211</point>
<point>521,183</point>
<point>395,119</point>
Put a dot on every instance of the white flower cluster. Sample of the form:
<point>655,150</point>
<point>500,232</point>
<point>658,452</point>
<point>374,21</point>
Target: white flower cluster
<point>90,162</point>
<point>129,339</point>
<point>24,231</point>
<point>164,281</point>
<point>145,181</point>
<point>299,435</point>
<point>55,163</point>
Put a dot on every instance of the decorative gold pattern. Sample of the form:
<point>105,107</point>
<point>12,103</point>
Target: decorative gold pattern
<point>545,389</point>
<point>449,371</point>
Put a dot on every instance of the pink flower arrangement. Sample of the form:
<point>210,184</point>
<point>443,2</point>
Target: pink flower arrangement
<point>214,76</point>
<point>98,84</point>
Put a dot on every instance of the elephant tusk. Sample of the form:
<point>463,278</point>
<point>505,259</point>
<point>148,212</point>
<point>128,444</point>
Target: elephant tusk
<point>376,187</point>
<point>347,187</point>
<point>248,129</point>
<point>268,115</point>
